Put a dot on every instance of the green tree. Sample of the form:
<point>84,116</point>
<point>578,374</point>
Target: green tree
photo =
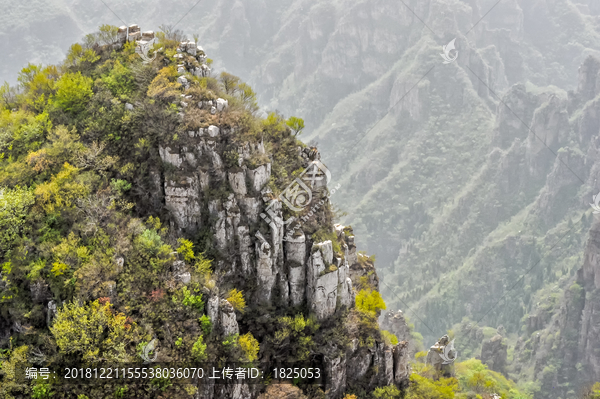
<point>236,299</point>
<point>93,331</point>
<point>250,346</point>
<point>369,301</point>
<point>230,82</point>
<point>389,392</point>
<point>593,392</point>
<point>73,91</point>
<point>199,350</point>
<point>248,97</point>
<point>119,80</point>
<point>78,55</point>
<point>108,34</point>
<point>14,208</point>
<point>296,124</point>
<point>424,388</point>
<point>186,249</point>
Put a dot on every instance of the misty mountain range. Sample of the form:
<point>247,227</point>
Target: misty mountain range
<point>470,181</point>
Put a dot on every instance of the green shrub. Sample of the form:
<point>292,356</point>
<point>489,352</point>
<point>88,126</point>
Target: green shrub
<point>41,391</point>
<point>119,80</point>
<point>205,324</point>
<point>296,124</point>
<point>14,208</point>
<point>250,346</point>
<point>186,249</point>
<point>236,299</point>
<point>93,331</point>
<point>389,337</point>
<point>199,350</point>
<point>424,388</point>
<point>389,392</point>
<point>190,300</point>
<point>369,301</point>
<point>73,91</point>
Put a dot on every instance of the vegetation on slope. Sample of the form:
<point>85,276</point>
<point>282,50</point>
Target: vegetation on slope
<point>85,248</point>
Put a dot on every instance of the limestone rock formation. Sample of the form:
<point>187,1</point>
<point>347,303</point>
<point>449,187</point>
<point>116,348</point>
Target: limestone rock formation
<point>441,355</point>
<point>494,353</point>
<point>395,323</point>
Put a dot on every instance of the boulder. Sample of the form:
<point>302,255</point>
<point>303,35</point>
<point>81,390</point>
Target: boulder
<point>222,104</point>
<point>185,278</point>
<point>213,131</point>
<point>135,36</point>
<point>122,35</point>
<point>183,81</point>
<point>167,156</point>
<point>395,323</point>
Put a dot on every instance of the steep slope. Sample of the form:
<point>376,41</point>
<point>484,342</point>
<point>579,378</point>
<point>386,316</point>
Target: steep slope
<point>145,206</point>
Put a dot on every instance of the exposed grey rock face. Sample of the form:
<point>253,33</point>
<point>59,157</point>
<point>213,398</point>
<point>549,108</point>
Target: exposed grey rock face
<point>391,363</point>
<point>222,104</point>
<point>589,84</point>
<point>395,323</point>
<point>264,268</point>
<point>185,278</point>
<point>336,368</point>
<point>172,158</point>
<point>437,353</point>
<point>286,270</point>
<point>494,353</point>
<point>550,123</point>
<point>39,291</point>
<point>402,358</point>
<point>51,312</point>
<point>228,320</point>
<point>213,131</point>
<point>259,176</point>
<point>327,284</point>
<point>212,310</point>
<point>238,183</point>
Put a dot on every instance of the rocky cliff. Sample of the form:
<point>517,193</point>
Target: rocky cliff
<point>208,230</point>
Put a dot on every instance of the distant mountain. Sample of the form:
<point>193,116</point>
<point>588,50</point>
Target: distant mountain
<point>470,181</point>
